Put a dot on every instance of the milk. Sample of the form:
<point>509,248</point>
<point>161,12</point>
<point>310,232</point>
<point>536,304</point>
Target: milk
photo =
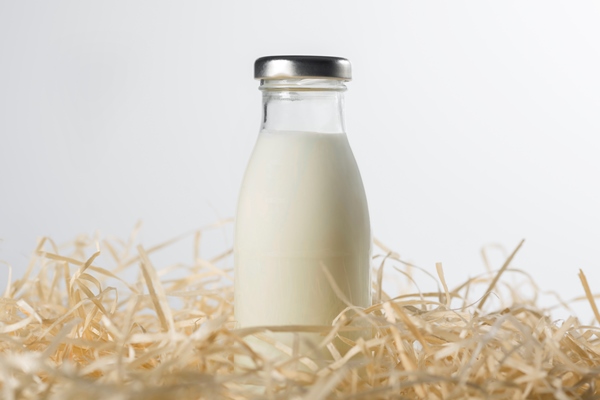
<point>302,208</point>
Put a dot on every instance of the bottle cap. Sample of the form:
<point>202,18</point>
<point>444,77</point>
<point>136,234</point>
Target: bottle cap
<point>290,67</point>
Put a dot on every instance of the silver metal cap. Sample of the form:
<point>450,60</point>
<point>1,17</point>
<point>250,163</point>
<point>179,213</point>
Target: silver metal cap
<point>282,67</point>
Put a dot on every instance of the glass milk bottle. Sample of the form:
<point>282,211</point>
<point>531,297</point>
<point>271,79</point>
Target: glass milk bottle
<point>302,206</point>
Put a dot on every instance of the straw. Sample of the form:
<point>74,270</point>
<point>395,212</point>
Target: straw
<point>72,328</point>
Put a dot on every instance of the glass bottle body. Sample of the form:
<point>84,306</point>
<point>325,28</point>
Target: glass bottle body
<point>302,228</point>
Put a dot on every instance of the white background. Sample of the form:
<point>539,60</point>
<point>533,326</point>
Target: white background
<point>472,122</point>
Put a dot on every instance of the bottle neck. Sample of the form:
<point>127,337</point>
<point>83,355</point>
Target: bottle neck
<point>305,105</point>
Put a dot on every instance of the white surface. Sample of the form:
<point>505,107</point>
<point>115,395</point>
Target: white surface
<point>472,122</point>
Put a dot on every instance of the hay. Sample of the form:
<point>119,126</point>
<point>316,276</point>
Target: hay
<point>66,333</point>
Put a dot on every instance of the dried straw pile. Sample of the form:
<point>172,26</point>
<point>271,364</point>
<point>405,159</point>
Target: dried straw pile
<point>66,334</point>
